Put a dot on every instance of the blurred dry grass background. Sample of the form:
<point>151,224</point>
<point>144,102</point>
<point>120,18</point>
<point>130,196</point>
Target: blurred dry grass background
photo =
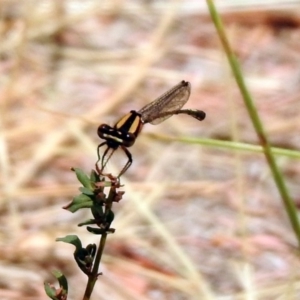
<point>196,222</point>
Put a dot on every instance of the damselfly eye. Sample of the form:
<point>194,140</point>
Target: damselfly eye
<point>103,129</point>
<point>129,139</point>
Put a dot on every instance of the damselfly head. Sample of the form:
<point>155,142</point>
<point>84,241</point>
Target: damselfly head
<point>114,137</point>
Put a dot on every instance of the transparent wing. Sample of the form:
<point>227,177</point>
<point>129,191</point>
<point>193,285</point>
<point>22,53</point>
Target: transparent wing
<point>164,107</point>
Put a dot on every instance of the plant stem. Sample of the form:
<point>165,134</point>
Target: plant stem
<point>94,275</point>
<point>258,125</point>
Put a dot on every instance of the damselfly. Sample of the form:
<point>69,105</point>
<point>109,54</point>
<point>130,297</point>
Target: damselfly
<point>124,133</point>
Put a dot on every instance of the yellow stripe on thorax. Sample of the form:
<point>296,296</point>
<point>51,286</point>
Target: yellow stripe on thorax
<point>123,120</point>
<point>135,125</point>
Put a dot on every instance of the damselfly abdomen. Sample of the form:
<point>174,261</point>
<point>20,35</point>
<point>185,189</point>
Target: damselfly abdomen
<point>124,133</point>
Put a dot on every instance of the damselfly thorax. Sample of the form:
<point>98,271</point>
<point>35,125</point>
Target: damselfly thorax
<point>124,133</point>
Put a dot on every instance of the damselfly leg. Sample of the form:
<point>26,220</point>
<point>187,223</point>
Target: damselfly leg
<point>106,157</point>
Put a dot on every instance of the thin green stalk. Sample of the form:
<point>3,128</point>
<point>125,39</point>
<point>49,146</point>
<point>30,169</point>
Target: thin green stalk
<point>226,145</point>
<point>235,67</point>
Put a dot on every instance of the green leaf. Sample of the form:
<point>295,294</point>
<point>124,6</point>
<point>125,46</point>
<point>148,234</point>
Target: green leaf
<point>54,293</point>
<point>62,280</point>
<point>100,230</point>
<point>97,211</point>
<point>94,176</point>
<point>79,202</point>
<point>86,191</point>
<point>50,291</point>
<point>110,216</point>
<point>83,178</point>
<point>96,230</point>
<point>71,239</point>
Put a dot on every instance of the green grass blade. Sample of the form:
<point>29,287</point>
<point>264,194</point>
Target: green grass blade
<point>258,125</point>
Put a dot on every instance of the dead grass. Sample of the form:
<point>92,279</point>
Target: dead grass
<point>195,222</point>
